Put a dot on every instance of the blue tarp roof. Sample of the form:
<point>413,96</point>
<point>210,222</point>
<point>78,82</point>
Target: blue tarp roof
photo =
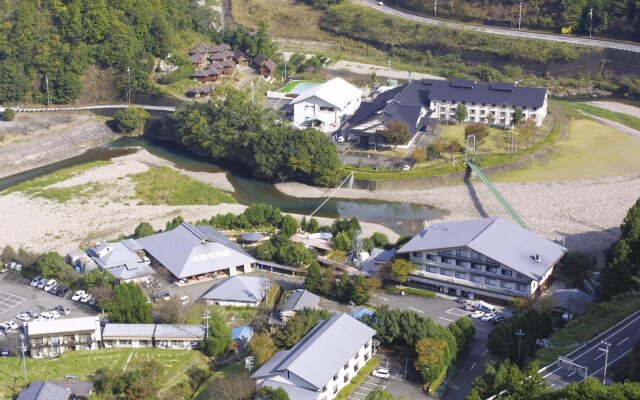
<point>361,312</point>
<point>241,333</point>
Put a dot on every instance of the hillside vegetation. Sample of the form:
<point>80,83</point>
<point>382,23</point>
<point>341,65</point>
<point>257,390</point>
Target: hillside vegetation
<point>58,41</point>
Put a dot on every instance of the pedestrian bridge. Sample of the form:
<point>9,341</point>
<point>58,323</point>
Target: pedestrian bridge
<point>90,107</point>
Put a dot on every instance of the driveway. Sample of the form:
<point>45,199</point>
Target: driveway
<point>441,310</point>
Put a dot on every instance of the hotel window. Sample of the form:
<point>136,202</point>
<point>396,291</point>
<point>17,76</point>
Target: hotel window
<point>330,109</point>
<point>446,272</point>
<point>461,275</point>
<point>473,103</point>
<point>432,257</point>
<point>493,105</point>
<point>505,284</point>
<point>461,253</point>
<point>475,278</point>
<point>507,272</point>
<point>335,389</point>
<point>490,281</point>
<point>460,263</point>
<point>346,366</point>
<point>491,269</point>
<point>432,269</point>
<point>417,254</point>
<point>346,378</point>
<point>519,275</point>
<point>521,287</point>
<point>476,266</point>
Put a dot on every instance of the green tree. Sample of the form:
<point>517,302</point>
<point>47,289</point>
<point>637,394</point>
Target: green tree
<point>358,291</point>
<point>266,251</point>
<point>219,338</point>
<point>289,225</point>
<point>380,240</point>
<point>518,116</point>
<point>262,347</point>
<point>481,132</point>
<point>129,305</point>
<point>269,393</point>
<point>380,394</point>
<point>143,229</point>
<point>395,133</point>
<point>575,267</point>
<point>14,83</point>
<point>343,241</point>
<point>342,287</point>
<point>431,358</point>
<point>298,326</point>
<point>174,223</point>
<point>99,278</point>
<point>400,269</point>
<point>50,265</point>
<point>9,114</point>
<point>313,282</point>
<point>313,226</point>
<point>130,120</point>
<point>461,113</point>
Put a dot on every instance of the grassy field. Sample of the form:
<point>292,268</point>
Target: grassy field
<point>163,185</point>
<point>38,187</point>
<point>86,363</point>
<point>496,142</point>
<point>592,150</point>
<point>624,119</point>
<point>291,85</point>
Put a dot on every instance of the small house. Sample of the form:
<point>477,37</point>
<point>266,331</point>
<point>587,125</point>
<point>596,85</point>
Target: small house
<point>199,92</point>
<point>237,291</point>
<point>299,299</point>
<point>128,335</point>
<point>240,58</point>
<point>178,336</point>
<point>267,69</point>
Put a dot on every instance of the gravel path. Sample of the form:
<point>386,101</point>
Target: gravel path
<point>617,107</point>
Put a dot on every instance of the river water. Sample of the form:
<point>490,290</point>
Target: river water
<point>403,218</point>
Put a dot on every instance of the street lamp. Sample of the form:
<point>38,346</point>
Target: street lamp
<point>590,20</point>
<point>23,349</point>
<point>435,8</point>
<point>129,85</point>
<point>519,334</point>
<point>606,358</point>
<point>206,317</point>
<point>520,16</point>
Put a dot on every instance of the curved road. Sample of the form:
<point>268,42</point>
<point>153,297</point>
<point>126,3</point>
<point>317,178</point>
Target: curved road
<point>505,32</point>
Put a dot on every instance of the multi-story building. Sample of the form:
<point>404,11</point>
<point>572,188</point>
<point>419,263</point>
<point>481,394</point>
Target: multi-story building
<point>323,362</point>
<point>54,337</point>
<point>488,257</point>
<point>168,336</point>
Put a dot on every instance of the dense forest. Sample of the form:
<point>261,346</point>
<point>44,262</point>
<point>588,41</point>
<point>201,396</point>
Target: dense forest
<point>59,40</point>
<point>612,18</point>
<point>231,127</point>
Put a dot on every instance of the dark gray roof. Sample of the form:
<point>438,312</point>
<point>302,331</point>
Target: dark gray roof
<point>115,331</point>
<point>259,59</point>
<point>200,49</point>
<point>192,250</point>
<point>39,390</point>
<point>270,65</point>
<point>168,331</point>
<point>496,238</point>
<point>238,288</point>
<point>321,353</point>
<point>200,90</point>
<point>294,392</point>
<point>252,236</point>
<point>301,299</point>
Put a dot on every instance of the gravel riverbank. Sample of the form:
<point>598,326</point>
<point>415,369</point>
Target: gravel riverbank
<point>617,107</point>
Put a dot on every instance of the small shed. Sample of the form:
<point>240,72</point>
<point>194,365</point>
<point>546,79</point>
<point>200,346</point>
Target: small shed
<point>252,237</point>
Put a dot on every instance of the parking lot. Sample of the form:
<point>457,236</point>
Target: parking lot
<point>403,380</point>
<point>16,296</point>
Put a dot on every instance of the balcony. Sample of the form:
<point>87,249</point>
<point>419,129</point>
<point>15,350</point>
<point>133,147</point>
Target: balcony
<point>467,283</point>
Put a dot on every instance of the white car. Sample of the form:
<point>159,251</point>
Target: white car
<point>85,297</point>
<point>487,317</point>
<point>55,314</point>
<point>477,314</point>
<point>381,373</point>
<point>23,317</point>
<point>12,324</point>
<point>5,328</point>
<point>35,281</point>
<point>46,315</point>
<point>39,318</point>
<point>41,283</point>
<point>51,283</point>
<point>77,295</point>
<point>380,3</point>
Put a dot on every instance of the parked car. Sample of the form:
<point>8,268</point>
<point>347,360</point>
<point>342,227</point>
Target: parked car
<point>477,314</point>
<point>55,313</point>
<point>51,283</point>
<point>32,313</point>
<point>92,302</point>
<point>381,373</point>
<point>62,291</point>
<point>12,324</point>
<point>63,310</point>
<point>41,283</point>
<point>487,317</point>
<point>5,352</point>
<point>39,318</point>
<point>85,297</point>
<point>23,317</point>
<point>34,282</point>
<point>498,318</point>
<point>46,315</point>
<point>54,288</point>
<point>5,328</point>
<point>77,295</point>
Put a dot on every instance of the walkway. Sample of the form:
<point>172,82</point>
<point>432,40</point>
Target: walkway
<point>92,107</point>
<point>505,32</point>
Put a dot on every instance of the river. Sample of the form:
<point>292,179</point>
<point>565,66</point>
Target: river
<point>403,218</point>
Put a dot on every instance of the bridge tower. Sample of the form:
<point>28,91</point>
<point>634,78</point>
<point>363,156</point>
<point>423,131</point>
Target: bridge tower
<point>470,149</point>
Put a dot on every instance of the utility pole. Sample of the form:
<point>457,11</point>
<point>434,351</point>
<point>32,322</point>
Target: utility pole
<point>253,96</point>
<point>435,8</point>
<point>129,85</point>
<point>520,16</point>
<point>406,362</point>
<point>46,82</point>
<point>206,317</point>
<point>23,349</point>
<point>519,334</point>
<point>590,21</point>
<point>606,359</point>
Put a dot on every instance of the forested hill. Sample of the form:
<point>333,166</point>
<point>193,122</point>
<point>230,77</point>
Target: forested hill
<point>60,39</point>
<point>618,19</point>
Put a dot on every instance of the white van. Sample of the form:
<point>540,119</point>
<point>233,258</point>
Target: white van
<point>484,306</point>
<point>184,300</point>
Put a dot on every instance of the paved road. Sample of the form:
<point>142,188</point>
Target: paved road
<point>505,32</point>
<point>622,340</point>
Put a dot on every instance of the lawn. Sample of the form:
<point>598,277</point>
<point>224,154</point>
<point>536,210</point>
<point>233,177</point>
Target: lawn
<point>496,142</point>
<point>291,85</point>
<point>85,363</point>
<point>163,185</point>
<point>624,119</point>
<point>592,150</point>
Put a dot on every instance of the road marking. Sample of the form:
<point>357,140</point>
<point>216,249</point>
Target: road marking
<point>609,337</point>
<point>623,340</point>
<point>383,298</point>
<point>415,309</point>
<point>484,352</point>
<point>471,369</point>
<point>601,355</point>
<point>611,362</point>
<point>553,372</point>
<point>571,374</point>
<point>446,319</point>
<point>457,312</point>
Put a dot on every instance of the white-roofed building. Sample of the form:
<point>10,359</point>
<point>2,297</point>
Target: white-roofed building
<point>489,257</point>
<point>326,106</point>
<point>54,337</point>
<point>121,260</point>
<point>238,291</point>
<point>323,362</point>
<point>128,335</point>
<point>168,336</point>
<point>178,336</point>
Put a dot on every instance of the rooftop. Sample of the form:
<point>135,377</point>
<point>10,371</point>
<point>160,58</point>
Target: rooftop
<point>80,324</point>
<point>239,288</point>
<point>496,238</point>
<point>336,92</point>
<point>113,331</point>
<point>179,331</point>
<point>300,299</point>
